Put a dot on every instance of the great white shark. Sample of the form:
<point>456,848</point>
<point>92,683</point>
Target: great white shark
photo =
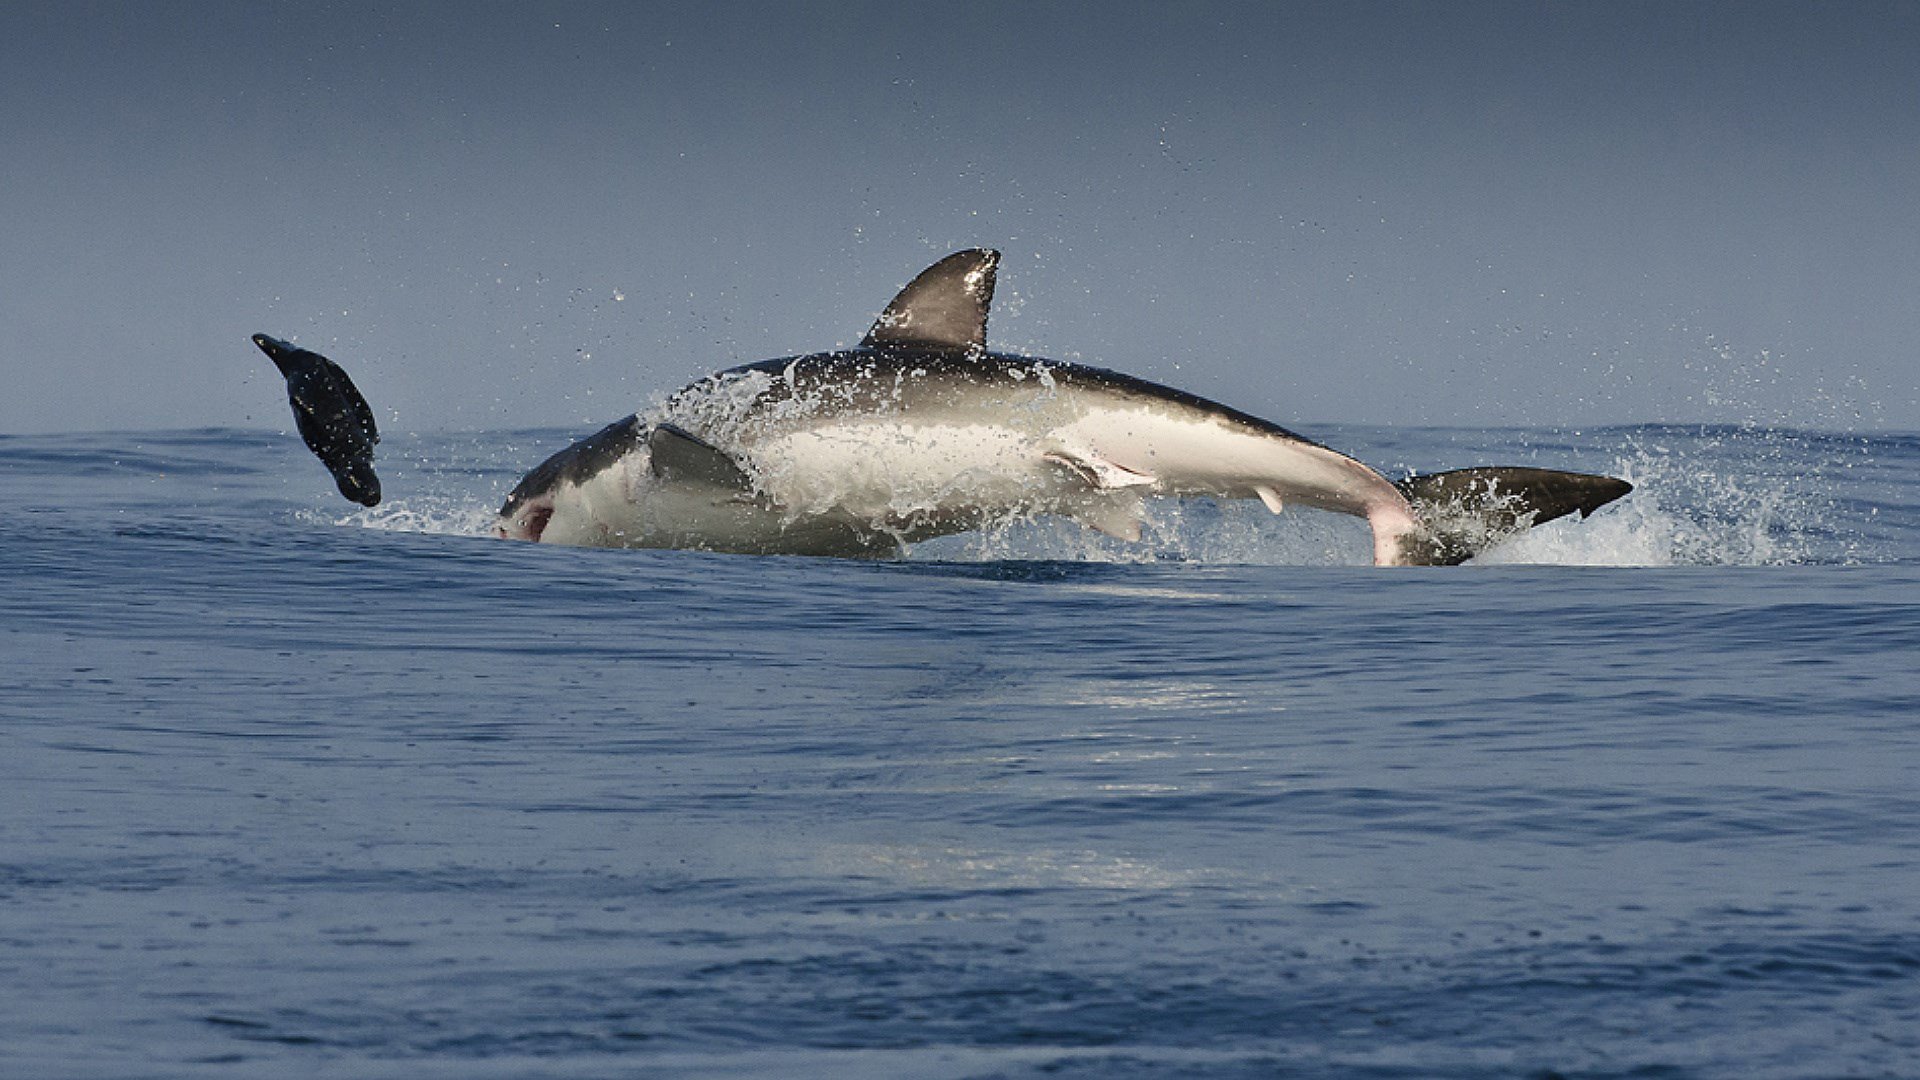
<point>922,431</point>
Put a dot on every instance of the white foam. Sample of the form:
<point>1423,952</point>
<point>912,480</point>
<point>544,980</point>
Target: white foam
<point>439,515</point>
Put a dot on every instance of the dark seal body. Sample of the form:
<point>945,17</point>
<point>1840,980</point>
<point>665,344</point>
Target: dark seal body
<point>334,420</point>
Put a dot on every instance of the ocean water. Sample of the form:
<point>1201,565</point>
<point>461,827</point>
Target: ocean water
<point>288,788</point>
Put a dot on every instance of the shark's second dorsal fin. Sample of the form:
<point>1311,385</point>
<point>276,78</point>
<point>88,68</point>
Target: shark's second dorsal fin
<point>944,308</point>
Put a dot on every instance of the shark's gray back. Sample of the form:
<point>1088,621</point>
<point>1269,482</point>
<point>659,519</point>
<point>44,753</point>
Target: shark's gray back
<point>929,384</point>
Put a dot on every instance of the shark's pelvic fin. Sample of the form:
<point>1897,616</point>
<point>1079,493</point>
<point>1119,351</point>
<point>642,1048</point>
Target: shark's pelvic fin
<point>945,308</point>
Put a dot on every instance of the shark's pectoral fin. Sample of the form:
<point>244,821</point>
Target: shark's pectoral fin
<point>1114,503</point>
<point>1098,472</point>
<point>1119,515</point>
<point>675,455</point>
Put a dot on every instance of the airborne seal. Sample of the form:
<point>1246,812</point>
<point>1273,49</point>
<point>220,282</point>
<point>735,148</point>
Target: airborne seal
<point>334,420</point>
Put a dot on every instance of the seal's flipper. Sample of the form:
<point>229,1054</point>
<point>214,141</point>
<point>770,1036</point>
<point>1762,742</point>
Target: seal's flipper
<point>357,481</point>
<point>674,454</point>
<point>1463,512</point>
<point>945,308</point>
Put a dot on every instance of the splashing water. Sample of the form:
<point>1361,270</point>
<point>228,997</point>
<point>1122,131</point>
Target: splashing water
<point>1731,497</point>
<point>1717,496</point>
<point>431,514</point>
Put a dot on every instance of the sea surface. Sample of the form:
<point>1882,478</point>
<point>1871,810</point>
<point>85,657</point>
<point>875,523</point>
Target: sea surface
<point>294,789</point>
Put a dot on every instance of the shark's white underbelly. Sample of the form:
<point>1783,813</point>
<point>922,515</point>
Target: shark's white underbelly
<point>873,470</point>
<point>860,482</point>
<point>1094,465</point>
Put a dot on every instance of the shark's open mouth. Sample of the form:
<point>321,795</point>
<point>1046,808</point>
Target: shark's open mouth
<point>529,522</point>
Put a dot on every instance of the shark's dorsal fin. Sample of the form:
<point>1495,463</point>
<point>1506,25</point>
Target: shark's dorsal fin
<point>673,454</point>
<point>944,308</point>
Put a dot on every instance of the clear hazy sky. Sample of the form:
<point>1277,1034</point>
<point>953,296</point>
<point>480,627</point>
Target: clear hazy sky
<point>522,213</point>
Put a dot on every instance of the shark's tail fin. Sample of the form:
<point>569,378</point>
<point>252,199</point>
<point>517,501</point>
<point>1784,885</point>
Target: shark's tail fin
<point>1464,512</point>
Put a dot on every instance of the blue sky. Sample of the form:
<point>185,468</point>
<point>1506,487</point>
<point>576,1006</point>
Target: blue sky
<point>516,214</point>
